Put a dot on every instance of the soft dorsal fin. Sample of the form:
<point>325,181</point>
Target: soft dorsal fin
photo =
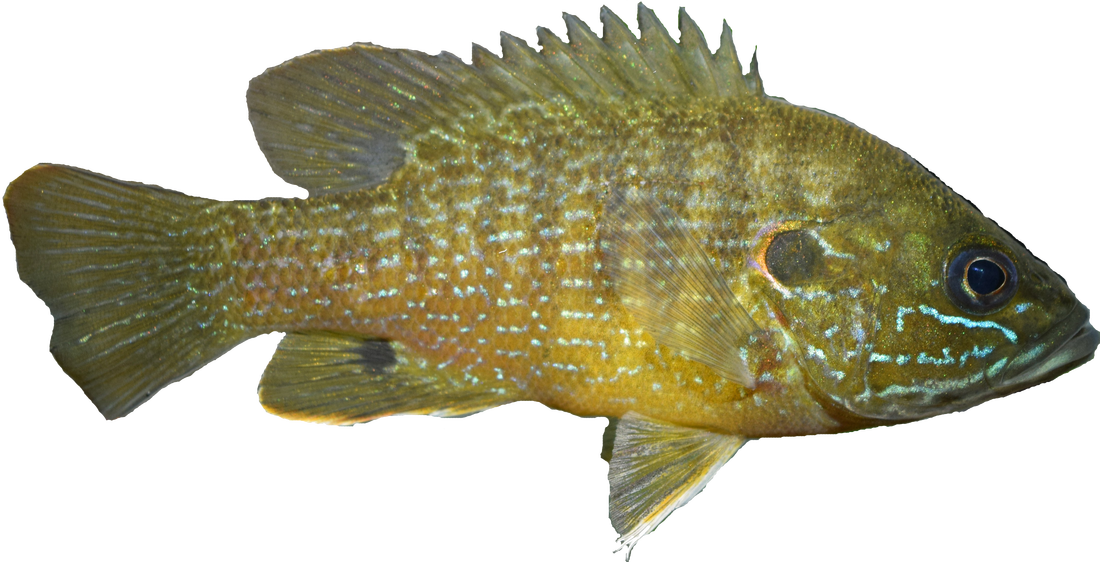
<point>657,467</point>
<point>340,120</point>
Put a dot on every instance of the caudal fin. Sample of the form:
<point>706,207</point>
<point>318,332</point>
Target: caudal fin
<point>124,271</point>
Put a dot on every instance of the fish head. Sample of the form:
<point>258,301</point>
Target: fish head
<point>899,298</point>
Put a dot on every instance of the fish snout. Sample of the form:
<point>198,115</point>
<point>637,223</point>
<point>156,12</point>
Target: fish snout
<point>1069,344</point>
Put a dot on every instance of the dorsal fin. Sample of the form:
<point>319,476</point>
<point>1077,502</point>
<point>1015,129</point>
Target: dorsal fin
<point>342,119</point>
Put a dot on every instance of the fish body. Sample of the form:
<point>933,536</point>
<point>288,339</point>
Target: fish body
<point>342,252</point>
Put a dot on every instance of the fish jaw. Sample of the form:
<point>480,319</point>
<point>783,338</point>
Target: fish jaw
<point>1072,342</point>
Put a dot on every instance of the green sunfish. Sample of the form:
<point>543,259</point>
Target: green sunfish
<point>614,226</point>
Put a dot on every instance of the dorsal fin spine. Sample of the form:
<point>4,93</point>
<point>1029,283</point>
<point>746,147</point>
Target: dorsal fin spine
<point>753,78</point>
<point>535,72</point>
<point>592,54</point>
<point>696,55</point>
<point>623,45</point>
<point>732,82</point>
<point>661,52</point>
<point>342,120</point>
<point>575,69</point>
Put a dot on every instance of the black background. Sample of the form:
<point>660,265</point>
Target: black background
<point>992,102</point>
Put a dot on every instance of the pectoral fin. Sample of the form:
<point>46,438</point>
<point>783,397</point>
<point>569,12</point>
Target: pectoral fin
<point>671,288</point>
<point>342,379</point>
<point>657,467</point>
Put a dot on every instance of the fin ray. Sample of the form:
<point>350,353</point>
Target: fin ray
<point>341,120</point>
<point>698,61</point>
<point>344,379</point>
<point>657,467</point>
<point>670,287</point>
<point>661,53</point>
<point>130,314</point>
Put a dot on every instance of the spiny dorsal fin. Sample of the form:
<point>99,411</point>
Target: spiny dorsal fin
<point>341,120</point>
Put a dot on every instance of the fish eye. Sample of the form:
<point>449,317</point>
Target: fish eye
<point>794,258</point>
<point>981,280</point>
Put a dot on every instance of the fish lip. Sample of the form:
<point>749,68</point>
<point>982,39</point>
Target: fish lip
<point>1031,369</point>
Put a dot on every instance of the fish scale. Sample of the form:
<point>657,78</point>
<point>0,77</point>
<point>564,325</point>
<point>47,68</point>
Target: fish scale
<point>532,307</point>
<point>666,246</point>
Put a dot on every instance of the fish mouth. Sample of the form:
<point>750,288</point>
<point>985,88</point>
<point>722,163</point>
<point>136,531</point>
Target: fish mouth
<point>1063,348</point>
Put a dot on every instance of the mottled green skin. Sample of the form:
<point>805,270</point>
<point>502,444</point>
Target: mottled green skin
<point>481,256</point>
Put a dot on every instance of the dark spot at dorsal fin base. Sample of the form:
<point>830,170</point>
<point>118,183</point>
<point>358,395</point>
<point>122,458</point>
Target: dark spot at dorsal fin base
<point>376,356</point>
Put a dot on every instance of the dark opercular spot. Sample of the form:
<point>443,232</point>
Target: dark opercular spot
<point>980,280</point>
<point>984,276</point>
<point>794,258</point>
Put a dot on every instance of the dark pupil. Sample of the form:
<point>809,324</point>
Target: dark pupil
<point>984,277</point>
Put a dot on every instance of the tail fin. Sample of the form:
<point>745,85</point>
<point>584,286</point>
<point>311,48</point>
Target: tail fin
<point>122,269</point>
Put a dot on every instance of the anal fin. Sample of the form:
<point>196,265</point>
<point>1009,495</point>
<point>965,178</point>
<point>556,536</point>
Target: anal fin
<point>342,379</point>
<point>656,467</point>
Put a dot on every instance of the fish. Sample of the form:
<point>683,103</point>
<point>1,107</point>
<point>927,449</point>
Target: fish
<point>831,441</point>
